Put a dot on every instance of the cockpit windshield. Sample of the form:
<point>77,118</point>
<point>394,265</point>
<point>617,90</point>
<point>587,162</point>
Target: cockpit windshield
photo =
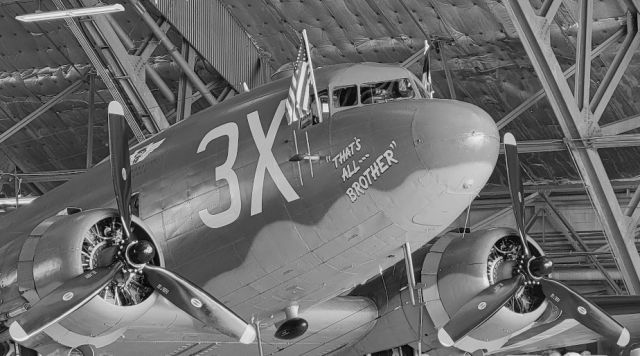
<point>390,90</point>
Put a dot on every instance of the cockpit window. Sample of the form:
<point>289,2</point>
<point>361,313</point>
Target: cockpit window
<point>345,96</point>
<point>380,92</point>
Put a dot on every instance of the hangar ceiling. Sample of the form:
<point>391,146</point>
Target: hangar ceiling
<point>476,39</point>
<point>479,59</point>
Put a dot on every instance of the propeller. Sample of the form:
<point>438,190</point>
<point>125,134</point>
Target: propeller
<point>120,165</point>
<point>131,256</point>
<point>530,271</point>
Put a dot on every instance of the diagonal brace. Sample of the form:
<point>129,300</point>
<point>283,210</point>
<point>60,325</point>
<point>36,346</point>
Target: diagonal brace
<point>41,110</point>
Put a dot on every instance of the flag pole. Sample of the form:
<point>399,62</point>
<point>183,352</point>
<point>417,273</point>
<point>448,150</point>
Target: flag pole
<point>313,77</point>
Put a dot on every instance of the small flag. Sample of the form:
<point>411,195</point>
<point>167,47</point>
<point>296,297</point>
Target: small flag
<point>298,101</point>
<point>426,71</point>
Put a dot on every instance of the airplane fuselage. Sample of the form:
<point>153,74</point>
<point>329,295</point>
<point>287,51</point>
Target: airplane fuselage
<point>232,213</point>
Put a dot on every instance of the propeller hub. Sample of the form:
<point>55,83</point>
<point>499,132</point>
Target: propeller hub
<point>539,267</point>
<point>140,253</point>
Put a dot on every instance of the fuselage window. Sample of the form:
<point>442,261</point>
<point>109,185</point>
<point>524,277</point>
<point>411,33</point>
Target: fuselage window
<point>345,96</point>
<point>381,92</point>
<point>314,118</point>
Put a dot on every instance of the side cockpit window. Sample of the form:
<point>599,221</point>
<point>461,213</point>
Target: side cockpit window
<point>345,96</point>
<point>381,92</point>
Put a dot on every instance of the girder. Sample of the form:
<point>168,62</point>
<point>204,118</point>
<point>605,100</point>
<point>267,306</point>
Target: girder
<point>577,125</point>
<point>216,34</point>
<point>102,72</point>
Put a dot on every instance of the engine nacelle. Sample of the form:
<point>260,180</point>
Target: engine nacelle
<point>65,246</point>
<point>456,269</point>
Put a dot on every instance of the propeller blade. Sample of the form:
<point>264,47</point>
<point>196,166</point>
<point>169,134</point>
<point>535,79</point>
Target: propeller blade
<point>585,312</point>
<point>199,304</point>
<point>63,301</point>
<point>515,187</point>
<point>120,165</point>
<point>478,310</point>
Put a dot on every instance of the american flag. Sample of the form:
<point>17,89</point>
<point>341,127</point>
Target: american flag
<point>426,71</point>
<point>298,102</point>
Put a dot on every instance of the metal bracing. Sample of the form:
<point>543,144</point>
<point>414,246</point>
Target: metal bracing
<point>226,93</point>
<point>92,114</point>
<point>486,222</point>
<point>49,176</point>
<point>185,92</point>
<point>576,126</point>
<point>596,142</point>
<point>41,110</point>
<point>596,52</point>
<point>174,53</point>
<point>583,56</point>
<point>413,58</point>
<point>491,193</point>
<point>620,126</point>
<point>447,72</point>
<point>562,225</point>
<point>102,72</point>
<point>617,68</point>
<point>128,70</point>
<point>633,203</point>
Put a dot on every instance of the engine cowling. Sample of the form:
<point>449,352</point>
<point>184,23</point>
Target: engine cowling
<point>65,246</point>
<point>457,268</point>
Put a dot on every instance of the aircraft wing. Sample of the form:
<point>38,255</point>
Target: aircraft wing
<point>566,332</point>
<point>333,325</point>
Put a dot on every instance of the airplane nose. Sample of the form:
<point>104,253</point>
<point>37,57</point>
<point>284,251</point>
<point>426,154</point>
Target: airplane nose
<point>448,133</point>
<point>458,144</point>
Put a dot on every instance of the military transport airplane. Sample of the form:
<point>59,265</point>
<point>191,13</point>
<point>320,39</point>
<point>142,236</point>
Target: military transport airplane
<point>234,219</point>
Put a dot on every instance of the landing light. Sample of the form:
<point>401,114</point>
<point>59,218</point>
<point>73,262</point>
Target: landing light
<point>84,11</point>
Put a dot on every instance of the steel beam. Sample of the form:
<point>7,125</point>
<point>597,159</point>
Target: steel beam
<point>447,73</point>
<point>583,55</point>
<point>576,127</point>
<point>596,52</point>
<point>128,70</point>
<point>492,192</point>
<point>149,45</point>
<point>617,68</point>
<point>486,222</point>
<point>556,145</point>
<point>92,113</point>
<point>620,126</point>
<point>102,72</point>
<point>633,203</point>
<point>171,115</point>
<point>584,274</point>
<point>50,176</point>
<point>558,220</point>
<point>185,92</point>
<point>173,52</point>
<point>41,110</point>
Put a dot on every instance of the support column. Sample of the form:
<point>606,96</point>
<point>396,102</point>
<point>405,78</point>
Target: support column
<point>578,125</point>
<point>185,92</point>
<point>92,113</point>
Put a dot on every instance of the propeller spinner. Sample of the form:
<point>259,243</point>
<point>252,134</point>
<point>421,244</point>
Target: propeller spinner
<point>531,270</point>
<point>135,255</point>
